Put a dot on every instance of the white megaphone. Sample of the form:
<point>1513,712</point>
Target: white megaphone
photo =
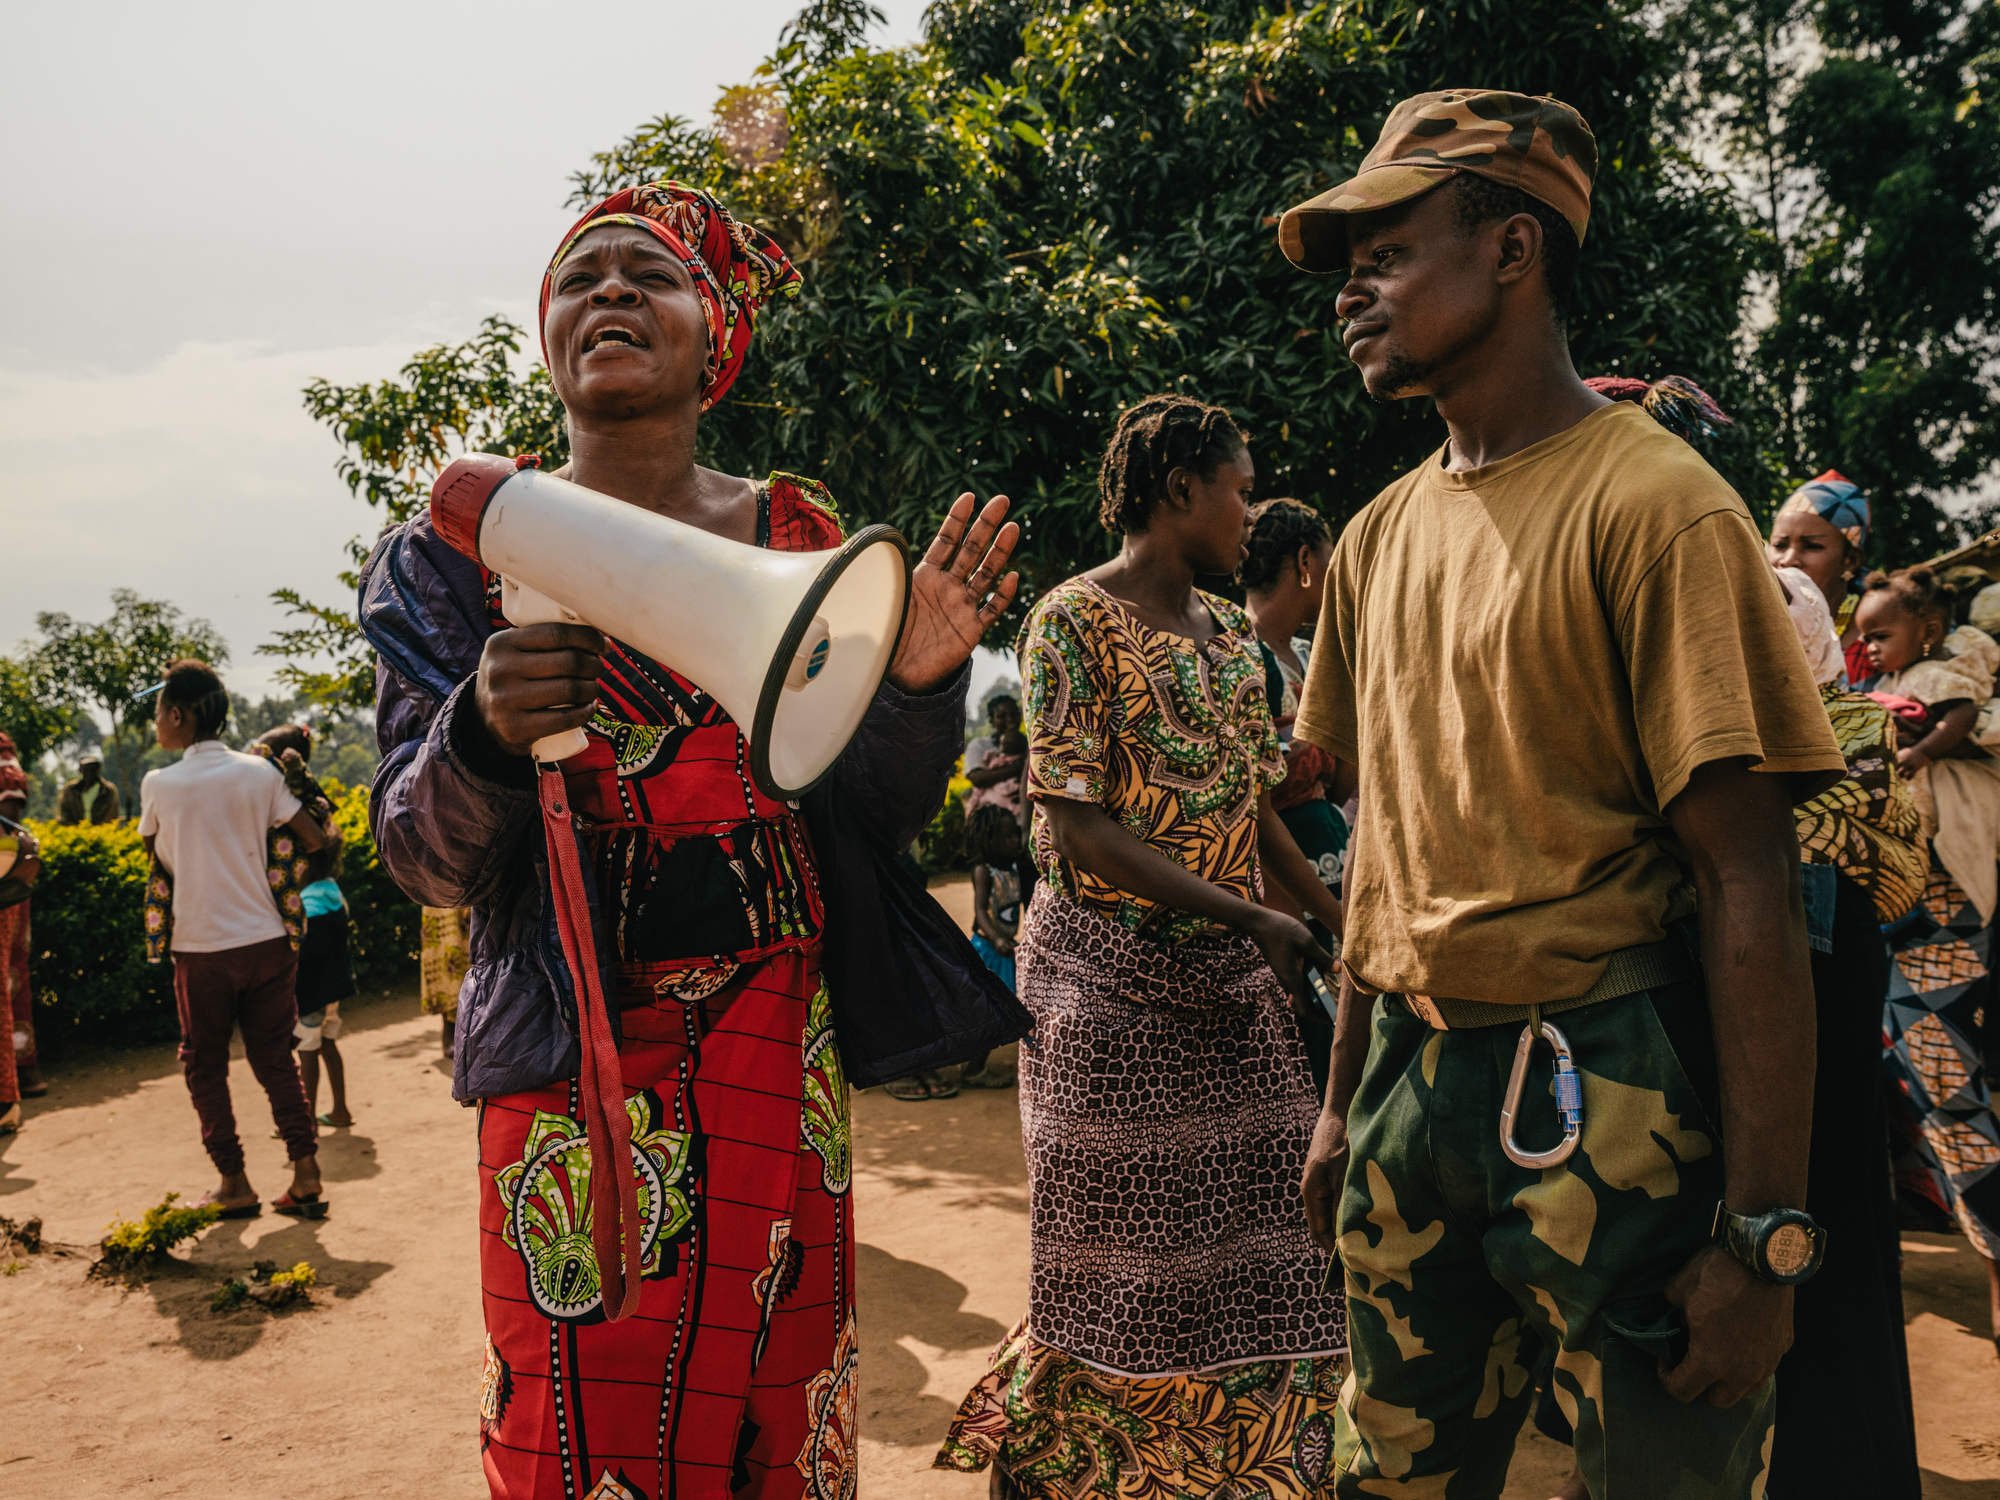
<point>793,645</point>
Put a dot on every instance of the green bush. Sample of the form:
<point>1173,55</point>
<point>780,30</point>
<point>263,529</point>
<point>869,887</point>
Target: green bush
<point>941,846</point>
<point>89,966</point>
<point>387,926</point>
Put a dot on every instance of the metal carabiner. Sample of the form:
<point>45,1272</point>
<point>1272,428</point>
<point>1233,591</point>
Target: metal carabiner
<point>1569,1098</point>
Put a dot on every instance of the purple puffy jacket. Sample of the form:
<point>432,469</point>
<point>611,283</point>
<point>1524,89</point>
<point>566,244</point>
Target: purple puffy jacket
<point>457,824</point>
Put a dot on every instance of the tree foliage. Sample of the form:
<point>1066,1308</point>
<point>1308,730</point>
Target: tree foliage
<point>1048,208</point>
<point>106,664</point>
<point>36,710</point>
<point>1864,144</point>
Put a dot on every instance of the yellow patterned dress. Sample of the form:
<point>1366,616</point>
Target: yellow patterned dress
<point>447,954</point>
<point>1184,1337</point>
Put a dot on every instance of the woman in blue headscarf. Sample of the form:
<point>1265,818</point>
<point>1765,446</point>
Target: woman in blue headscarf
<point>1822,530</point>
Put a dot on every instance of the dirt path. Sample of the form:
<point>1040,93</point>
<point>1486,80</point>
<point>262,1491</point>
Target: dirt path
<point>371,1392</point>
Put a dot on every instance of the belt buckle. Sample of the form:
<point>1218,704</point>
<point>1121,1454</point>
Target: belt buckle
<point>1427,1011</point>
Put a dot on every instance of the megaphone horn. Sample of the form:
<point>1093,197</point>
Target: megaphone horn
<point>793,645</point>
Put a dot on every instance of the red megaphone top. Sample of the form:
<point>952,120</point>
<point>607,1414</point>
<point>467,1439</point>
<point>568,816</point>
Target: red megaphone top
<point>462,492</point>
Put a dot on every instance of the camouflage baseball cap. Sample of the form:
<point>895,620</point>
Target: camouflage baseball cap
<point>1527,141</point>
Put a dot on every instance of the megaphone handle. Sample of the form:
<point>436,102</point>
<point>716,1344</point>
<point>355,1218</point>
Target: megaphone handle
<point>525,606</point>
<point>553,748</point>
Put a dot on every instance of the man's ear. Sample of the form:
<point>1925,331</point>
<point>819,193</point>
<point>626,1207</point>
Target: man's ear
<point>1520,249</point>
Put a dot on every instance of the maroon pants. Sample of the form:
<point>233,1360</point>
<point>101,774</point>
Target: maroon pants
<point>250,988</point>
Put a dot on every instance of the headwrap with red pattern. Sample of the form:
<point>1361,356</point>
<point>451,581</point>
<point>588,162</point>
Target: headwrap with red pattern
<point>736,268</point>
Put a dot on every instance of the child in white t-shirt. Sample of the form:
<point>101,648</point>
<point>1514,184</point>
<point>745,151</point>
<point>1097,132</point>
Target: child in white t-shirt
<point>204,821</point>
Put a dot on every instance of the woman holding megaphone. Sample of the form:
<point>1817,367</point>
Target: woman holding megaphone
<point>684,1327</point>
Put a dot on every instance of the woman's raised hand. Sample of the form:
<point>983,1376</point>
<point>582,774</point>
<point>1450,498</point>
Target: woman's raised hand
<point>959,589</point>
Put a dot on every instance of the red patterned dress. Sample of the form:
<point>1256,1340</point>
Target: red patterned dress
<point>736,1376</point>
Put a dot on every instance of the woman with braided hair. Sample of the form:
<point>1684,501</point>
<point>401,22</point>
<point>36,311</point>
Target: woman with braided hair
<point>1181,1336</point>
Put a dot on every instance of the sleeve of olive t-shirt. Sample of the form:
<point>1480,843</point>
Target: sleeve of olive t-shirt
<point>1716,668</point>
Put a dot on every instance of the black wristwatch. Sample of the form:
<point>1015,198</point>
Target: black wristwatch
<point>1784,1246</point>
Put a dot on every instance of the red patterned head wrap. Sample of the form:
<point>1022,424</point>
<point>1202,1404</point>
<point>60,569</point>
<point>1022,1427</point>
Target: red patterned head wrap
<point>736,268</point>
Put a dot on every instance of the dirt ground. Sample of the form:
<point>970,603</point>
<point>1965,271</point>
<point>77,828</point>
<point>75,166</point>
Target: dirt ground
<point>371,1390</point>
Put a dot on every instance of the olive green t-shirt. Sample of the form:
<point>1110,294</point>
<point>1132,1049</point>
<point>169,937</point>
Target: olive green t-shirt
<point>1526,662</point>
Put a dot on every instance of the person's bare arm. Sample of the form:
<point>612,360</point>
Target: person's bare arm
<point>1286,866</point>
<point>1736,825</point>
<point>982,901</point>
<point>1088,837</point>
<point>1343,783</point>
<point>996,771</point>
<point>1326,1156</point>
<point>305,828</point>
<point>1945,736</point>
<point>28,859</point>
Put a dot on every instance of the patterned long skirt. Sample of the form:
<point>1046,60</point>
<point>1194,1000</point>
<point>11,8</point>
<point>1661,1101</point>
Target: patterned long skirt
<point>1938,1025</point>
<point>736,1376</point>
<point>1184,1337</point>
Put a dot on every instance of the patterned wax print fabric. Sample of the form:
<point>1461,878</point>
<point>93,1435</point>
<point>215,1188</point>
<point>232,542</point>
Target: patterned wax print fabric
<point>736,1375</point>
<point>1062,1429</point>
<point>1836,500</point>
<point>1184,1336</point>
<point>10,1084</point>
<point>1169,735</point>
<point>1865,825</point>
<point>1464,1271</point>
<point>447,955</point>
<point>15,942</point>
<point>736,268</point>
<point>1937,1025</point>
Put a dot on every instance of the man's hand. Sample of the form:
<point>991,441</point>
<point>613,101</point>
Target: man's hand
<point>1326,1170</point>
<point>537,680</point>
<point>959,589</point>
<point>1738,1329</point>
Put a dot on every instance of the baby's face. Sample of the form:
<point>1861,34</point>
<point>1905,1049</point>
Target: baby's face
<point>1894,637</point>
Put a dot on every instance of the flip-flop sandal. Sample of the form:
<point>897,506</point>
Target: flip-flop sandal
<point>306,1206</point>
<point>327,1121</point>
<point>919,1087</point>
<point>232,1210</point>
<point>992,1076</point>
<point>10,1120</point>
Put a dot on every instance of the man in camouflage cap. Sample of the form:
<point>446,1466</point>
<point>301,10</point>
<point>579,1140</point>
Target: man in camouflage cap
<point>1576,1017</point>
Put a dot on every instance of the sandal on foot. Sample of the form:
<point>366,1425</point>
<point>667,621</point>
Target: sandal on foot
<point>10,1119</point>
<point>921,1086</point>
<point>304,1206</point>
<point>223,1210</point>
<point>331,1124</point>
<point>992,1076</point>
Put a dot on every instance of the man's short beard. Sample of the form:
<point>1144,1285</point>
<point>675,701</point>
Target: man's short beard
<point>1400,374</point>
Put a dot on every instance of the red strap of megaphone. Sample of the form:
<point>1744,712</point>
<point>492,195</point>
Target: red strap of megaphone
<point>614,1189</point>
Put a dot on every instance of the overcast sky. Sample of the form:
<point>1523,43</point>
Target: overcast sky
<point>209,204</point>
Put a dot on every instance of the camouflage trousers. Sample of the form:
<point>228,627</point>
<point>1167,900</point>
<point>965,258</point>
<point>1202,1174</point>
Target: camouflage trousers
<point>1464,1269</point>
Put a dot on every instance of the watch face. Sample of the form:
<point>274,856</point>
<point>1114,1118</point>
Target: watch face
<point>1788,1251</point>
